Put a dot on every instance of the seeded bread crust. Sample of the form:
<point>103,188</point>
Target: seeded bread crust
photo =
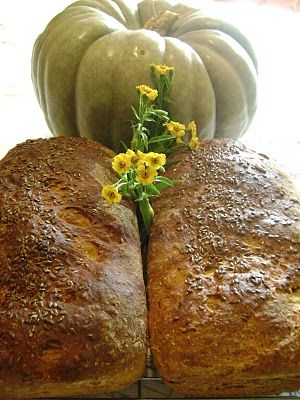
<point>72,298</point>
<point>224,275</point>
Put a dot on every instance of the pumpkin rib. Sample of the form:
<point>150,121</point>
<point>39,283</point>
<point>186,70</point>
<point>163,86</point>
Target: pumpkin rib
<point>113,9</point>
<point>61,30</point>
<point>40,92</point>
<point>203,111</point>
<point>105,6</point>
<point>240,116</point>
<point>130,12</point>
<point>58,20</point>
<point>196,21</point>
<point>220,52</point>
<point>41,73</point>
<point>115,74</point>
<point>145,54</point>
<point>60,37</point>
<point>86,104</point>
<point>35,69</point>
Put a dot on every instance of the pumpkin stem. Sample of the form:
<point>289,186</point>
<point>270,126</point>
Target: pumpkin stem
<point>162,22</point>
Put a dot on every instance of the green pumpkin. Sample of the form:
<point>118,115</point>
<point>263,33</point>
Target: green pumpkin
<point>90,58</point>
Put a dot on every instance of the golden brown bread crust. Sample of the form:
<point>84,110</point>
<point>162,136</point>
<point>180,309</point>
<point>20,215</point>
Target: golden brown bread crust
<point>72,298</point>
<point>224,275</point>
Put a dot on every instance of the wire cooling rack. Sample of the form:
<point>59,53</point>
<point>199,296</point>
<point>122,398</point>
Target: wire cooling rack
<point>151,386</point>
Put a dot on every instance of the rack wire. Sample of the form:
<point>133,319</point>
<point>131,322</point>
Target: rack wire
<point>151,386</point>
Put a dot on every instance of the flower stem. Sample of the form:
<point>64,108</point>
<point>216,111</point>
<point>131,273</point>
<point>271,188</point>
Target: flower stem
<point>146,212</point>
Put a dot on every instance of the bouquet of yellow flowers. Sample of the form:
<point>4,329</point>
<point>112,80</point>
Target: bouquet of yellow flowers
<point>155,136</point>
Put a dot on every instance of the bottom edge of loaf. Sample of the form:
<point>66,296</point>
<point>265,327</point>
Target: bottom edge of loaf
<point>93,386</point>
<point>257,387</point>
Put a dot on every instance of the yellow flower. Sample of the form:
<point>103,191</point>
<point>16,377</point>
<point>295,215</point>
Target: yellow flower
<point>194,142</point>
<point>121,163</point>
<point>134,158</point>
<point>155,160</point>
<point>147,91</point>
<point>146,174</point>
<point>162,69</point>
<point>141,156</point>
<point>179,140</point>
<point>111,194</point>
<point>176,129</point>
<point>193,128</point>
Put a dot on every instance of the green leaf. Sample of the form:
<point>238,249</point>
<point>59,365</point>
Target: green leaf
<point>142,197</point>
<point>161,186</point>
<point>150,119</point>
<point>169,100</point>
<point>161,138</point>
<point>123,146</point>
<point>152,190</point>
<point>169,163</point>
<point>166,180</point>
<point>135,113</point>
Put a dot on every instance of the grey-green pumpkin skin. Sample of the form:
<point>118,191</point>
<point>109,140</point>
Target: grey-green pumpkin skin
<point>90,58</point>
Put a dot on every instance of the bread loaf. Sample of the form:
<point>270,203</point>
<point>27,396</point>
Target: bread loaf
<point>72,298</point>
<point>224,275</point>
